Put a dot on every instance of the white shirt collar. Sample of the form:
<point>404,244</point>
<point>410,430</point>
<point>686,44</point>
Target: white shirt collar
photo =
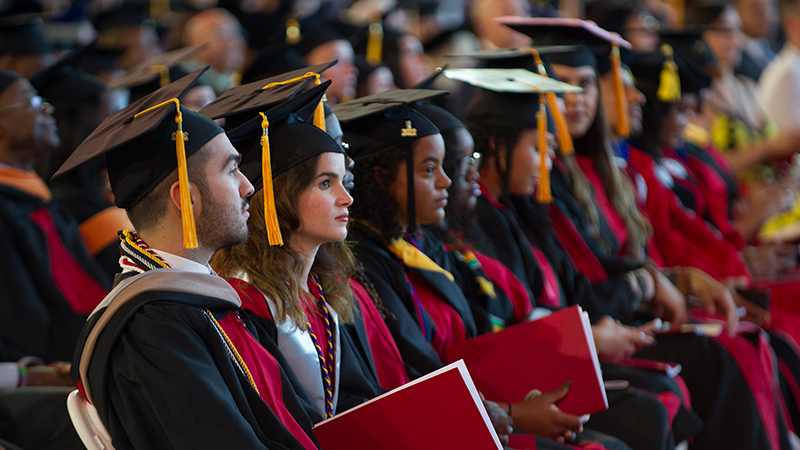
<point>181,263</point>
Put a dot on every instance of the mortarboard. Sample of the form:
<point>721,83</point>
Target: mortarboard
<point>154,73</point>
<point>587,35</point>
<point>294,139</point>
<point>21,36</point>
<point>696,63</point>
<point>138,148</point>
<point>63,85</point>
<point>514,97</point>
<point>529,58</point>
<point>313,36</point>
<point>272,61</point>
<point>240,103</point>
<point>385,122</point>
<point>443,120</point>
<point>658,74</point>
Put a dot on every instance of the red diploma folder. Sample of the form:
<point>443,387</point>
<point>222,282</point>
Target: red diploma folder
<point>438,411</point>
<point>542,354</point>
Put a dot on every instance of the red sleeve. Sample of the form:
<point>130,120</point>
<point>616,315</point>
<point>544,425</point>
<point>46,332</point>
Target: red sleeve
<point>581,255</point>
<point>503,278</point>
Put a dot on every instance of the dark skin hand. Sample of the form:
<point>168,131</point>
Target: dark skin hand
<point>540,415</point>
<point>55,374</point>
<point>500,420</point>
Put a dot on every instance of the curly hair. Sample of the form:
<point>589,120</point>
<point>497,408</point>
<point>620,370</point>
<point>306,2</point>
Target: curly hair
<point>275,270</point>
<point>372,201</point>
<point>492,140</point>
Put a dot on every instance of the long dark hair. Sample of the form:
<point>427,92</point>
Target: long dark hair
<point>373,203</point>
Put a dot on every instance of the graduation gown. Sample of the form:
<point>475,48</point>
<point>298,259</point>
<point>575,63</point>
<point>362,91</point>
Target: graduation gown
<point>49,282</point>
<point>162,375</point>
<point>747,360</point>
<point>355,378</point>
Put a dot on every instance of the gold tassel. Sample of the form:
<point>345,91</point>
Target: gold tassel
<point>270,212</point>
<point>620,99</point>
<point>319,113</point>
<point>375,42</point>
<point>163,72</point>
<point>543,195</point>
<point>292,32</point>
<point>564,138</point>
<point>187,214</point>
<point>669,83</point>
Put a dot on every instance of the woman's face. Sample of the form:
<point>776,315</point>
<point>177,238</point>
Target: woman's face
<point>581,109</point>
<point>323,206</point>
<point>466,184</point>
<point>525,161</point>
<point>413,63</point>
<point>430,182</point>
<point>725,38</point>
<point>675,120</point>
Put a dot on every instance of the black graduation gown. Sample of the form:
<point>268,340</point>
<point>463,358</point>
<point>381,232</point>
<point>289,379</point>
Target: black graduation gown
<point>386,273</point>
<point>34,314</point>
<point>161,378</point>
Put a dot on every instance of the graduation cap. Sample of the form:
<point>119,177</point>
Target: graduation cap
<point>276,140</point>
<point>137,144</point>
<point>238,105</point>
<point>515,97</point>
<point>530,58</point>
<point>313,36</point>
<point>63,85</point>
<point>657,74</point>
<point>587,35</point>
<point>700,63</point>
<point>273,60</point>
<point>386,122</point>
<point>154,73</point>
<point>23,37</point>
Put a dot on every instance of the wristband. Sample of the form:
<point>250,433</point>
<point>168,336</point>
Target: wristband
<point>23,375</point>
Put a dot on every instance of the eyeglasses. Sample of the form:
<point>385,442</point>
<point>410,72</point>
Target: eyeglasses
<point>468,162</point>
<point>36,102</point>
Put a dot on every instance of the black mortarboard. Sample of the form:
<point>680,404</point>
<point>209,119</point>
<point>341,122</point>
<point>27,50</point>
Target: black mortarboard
<point>155,73</point>
<point>313,37</point>
<point>23,38</point>
<point>443,120</point>
<point>386,122</point>
<point>274,141</point>
<point>513,97</point>
<point>121,14</point>
<point>696,63</point>
<point>63,85</point>
<point>273,60</point>
<point>591,40</point>
<point>240,103</point>
<point>139,144</point>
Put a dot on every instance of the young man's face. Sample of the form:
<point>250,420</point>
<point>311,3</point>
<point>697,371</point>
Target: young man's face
<point>222,220</point>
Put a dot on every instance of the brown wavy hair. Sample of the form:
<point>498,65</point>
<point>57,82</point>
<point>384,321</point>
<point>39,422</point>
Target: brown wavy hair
<point>275,270</point>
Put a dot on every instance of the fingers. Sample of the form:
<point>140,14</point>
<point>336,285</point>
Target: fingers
<point>650,328</point>
<point>556,395</point>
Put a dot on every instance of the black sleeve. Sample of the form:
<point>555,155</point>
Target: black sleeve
<point>157,406</point>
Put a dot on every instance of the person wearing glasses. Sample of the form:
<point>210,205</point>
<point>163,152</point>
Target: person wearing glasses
<point>49,282</point>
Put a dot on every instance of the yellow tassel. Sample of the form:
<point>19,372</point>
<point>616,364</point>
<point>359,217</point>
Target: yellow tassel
<point>564,138</point>
<point>187,214</point>
<point>292,32</point>
<point>270,212</point>
<point>620,99</point>
<point>375,42</point>
<point>163,72</point>
<point>669,83</point>
<point>319,113</point>
<point>543,195</point>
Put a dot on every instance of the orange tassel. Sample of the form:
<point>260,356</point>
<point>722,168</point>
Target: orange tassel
<point>620,100</point>
<point>270,212</point>
<point>319,113</point>
<point>375,42</point>
<point>543,194</point>
<point>564,138</point>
